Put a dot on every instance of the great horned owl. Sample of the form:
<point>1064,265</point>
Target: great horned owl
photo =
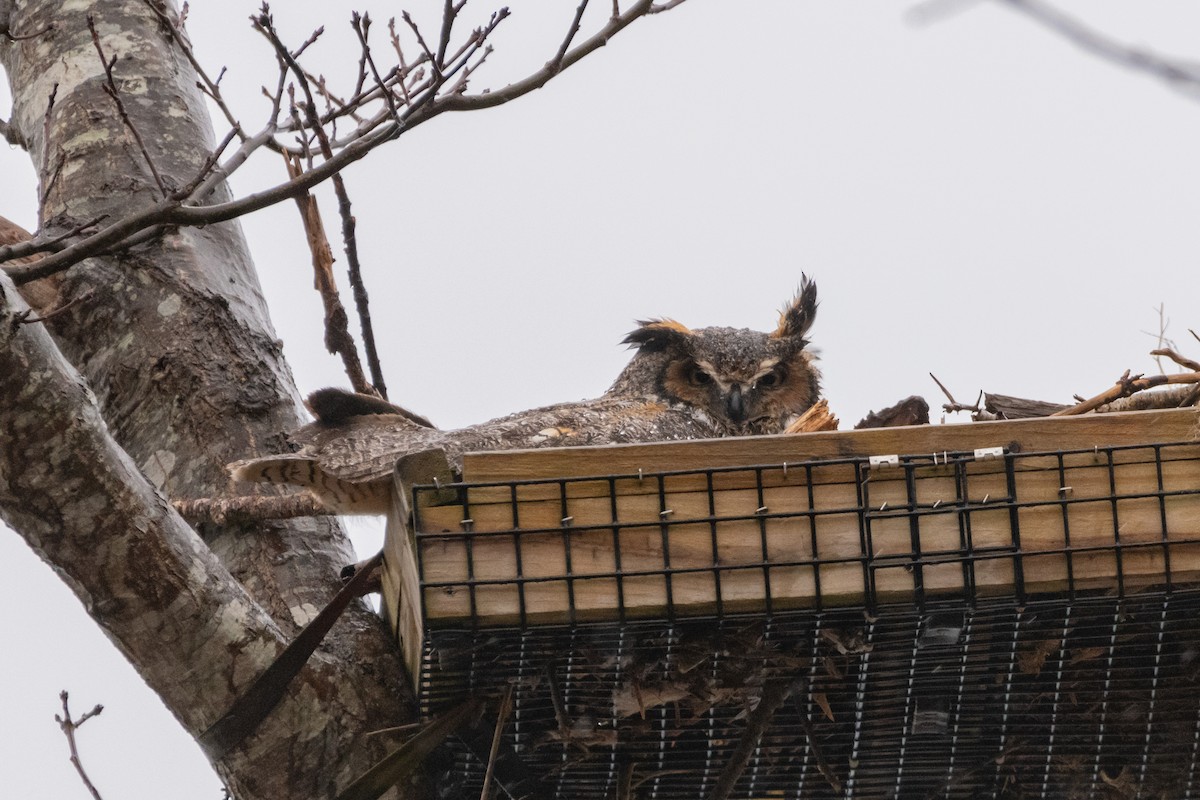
<point>741,381</point>
<point>681,384</point>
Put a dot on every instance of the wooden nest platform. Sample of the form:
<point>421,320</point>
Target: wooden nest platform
<point>998,609</point>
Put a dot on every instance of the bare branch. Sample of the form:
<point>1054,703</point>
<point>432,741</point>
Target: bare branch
<point>1161,336</point>
<point>25,318</point>
<point>1173,71</point>
<point>362,300</point>
<point>337,335</point>
<point>775,691</point>
<point>408,20</point>
<point>362,27</point>
<point>539,79</point>
<point>136,227</point>
<point>1181,360</point>
<point>13,135</point>
<point>449,15</point>
<point>249,508</point>
<point>207,168</point>
<point>556,64</point>
<point>21,37</point>
<point>92,245</point>
<point>421,104</point>
<point>1125,386</point>
<point>954,406</point>
<point>502,716</point>
<point>69,726</point>
<point>33,246</point>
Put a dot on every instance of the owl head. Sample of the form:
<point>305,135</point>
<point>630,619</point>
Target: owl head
<point>744,381</point>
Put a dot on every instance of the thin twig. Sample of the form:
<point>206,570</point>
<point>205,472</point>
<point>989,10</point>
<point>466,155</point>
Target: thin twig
<point>449,15</point>
<point>1181,360</point>
<point>21,37</point>
<point>814,747</point>
<point>774,692</point>
<point>206,168</point>
<point>556,64</point>
<point>362,301</point>
<point>210,87</point>
<point>24,318</point>
<point>501,722</point>
<point>110,88</point>
<point>558,704</point>
<point>34,246</point>
<point>398,729</point>
<point>48,179</point>
<point>408,20</point>
<point>337,335</point>
<point>541,77</point>
<point>394,38</point>
<point>1170,70</point>
<point>1161,336</point>
<point>69,726</point>
<point>954,406</point>
<point>362,28</point>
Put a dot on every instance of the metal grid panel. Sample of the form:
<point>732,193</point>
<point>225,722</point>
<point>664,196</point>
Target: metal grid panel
<point>1089,692</point>
<point>814,534</point>
<point>1096,698</point>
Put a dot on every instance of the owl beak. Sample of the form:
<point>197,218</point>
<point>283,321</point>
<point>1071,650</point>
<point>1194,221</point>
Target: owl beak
<point>735,405</point>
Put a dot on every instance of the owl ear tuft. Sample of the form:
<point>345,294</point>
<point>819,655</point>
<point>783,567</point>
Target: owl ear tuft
<point>656,335</point>
<point>798,315</point>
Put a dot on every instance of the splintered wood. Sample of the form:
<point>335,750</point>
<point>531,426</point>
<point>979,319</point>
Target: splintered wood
<point>723,526</point>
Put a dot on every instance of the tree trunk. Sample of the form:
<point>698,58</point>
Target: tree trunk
<point>186,374</point>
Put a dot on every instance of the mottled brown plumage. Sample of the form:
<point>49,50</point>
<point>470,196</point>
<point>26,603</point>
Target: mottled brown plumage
<point>681,384</point>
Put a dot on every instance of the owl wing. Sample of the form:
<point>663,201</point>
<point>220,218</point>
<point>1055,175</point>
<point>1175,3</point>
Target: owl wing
<point>348,466</point>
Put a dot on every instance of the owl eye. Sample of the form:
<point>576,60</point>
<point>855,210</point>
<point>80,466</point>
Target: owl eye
<point>770,379</point>
<point>698,377</point>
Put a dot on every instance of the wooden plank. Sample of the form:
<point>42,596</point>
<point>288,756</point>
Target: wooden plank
<point>540,505</point>
<point>1029,435</point>
<point>401,585</point>
<point>595,591</point>
<point>401,582</point>
<point>797,474</point>
<point>733,554</point>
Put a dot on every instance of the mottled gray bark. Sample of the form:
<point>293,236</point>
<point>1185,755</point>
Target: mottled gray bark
<point>174,341</point>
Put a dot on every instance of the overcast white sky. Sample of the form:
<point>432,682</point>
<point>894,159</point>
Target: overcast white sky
<point>976,198</point>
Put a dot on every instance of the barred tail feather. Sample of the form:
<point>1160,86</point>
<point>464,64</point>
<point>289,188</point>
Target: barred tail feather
<point>294,469</point>
<point>339,496</point>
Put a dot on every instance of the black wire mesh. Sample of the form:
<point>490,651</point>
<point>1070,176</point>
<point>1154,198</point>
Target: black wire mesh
<point>951,648</point>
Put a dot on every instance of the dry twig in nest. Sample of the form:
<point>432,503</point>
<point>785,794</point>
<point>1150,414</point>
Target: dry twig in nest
<point>817,418</point>
<point>1125,386</point>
